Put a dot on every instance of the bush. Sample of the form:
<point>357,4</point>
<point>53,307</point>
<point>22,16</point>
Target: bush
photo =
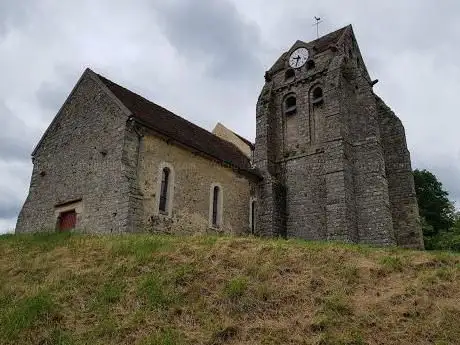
<point>448,240</point>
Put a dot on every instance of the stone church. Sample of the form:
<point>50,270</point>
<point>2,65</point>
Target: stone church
<point>330,160</point>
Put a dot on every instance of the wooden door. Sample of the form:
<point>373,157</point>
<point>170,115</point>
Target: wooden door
<point>67,220</point>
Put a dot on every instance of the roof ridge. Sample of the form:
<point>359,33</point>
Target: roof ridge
<point>248,142</point>
<point>163,108</point>
<point>340,31</point>
<point>178,128</point>
<point>153,103</point>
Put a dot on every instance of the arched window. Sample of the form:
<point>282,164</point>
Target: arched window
<point>289,75</point>
<point>310,64</point>
<point>290,105</point>
<point>215,203</point>
<point>317,95</point>
<point>165,189</point>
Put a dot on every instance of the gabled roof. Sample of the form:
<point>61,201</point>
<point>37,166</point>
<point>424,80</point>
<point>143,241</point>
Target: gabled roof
<point>320,45</point>
<point>246,141</point>
<point>179,129</point>
<point>244,145</point>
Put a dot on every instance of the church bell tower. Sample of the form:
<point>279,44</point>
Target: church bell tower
<point>319,148</point>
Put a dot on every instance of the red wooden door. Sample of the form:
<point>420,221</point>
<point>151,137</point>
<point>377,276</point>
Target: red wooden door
<point>67,220</point>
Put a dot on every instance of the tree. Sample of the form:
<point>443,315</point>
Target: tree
<point>436,210</point>
<point>433,202</point>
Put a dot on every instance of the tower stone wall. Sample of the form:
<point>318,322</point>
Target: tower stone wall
<point>403,201</point>
<point>339,157</point>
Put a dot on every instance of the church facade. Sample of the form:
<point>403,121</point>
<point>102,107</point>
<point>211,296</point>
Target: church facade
<point>330,161</point>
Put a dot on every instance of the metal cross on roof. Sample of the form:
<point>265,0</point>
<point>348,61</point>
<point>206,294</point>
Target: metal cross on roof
<point>318,21</point>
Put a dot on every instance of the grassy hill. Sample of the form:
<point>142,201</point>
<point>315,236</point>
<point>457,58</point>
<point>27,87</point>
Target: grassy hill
<point>144,289</point>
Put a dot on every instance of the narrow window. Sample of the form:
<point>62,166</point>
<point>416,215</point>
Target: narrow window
<point>310,64</point>
<point>215,207</point>
<point>253,216</point>
<point>164,190</point>
<point>317,96</point>
<point>289,75</point>
<point>290,105</point>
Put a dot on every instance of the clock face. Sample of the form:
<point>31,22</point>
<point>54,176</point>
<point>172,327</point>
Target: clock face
<point>298,58</point>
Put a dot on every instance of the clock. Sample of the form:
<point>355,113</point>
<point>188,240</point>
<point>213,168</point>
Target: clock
<point>298,57</point>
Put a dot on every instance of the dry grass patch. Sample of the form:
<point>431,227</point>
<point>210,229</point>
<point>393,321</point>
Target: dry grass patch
<point>144,289</point>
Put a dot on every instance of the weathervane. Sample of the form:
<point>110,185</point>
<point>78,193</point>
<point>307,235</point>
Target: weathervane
<point>318,21</point>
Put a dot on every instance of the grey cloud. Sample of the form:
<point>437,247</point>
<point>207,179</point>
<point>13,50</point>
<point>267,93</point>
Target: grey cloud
<point>51,96</point>
<point>16,138</point>
<point>13,13</point>
<point>214,33</point>
<point>13,149</point>
<point>12,187</point>
<point>9,210</point>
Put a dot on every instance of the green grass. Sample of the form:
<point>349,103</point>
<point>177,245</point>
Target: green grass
<point>392,263</point>
<point>157,292</point>
<point>22,314</point>
<point>236,287</point>
<point>158,289</point>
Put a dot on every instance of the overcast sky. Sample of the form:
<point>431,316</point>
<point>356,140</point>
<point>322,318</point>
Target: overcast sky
<point>205,60</point>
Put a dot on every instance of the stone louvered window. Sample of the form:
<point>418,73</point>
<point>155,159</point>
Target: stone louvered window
<point>317,96</point>
<point>290,105</point>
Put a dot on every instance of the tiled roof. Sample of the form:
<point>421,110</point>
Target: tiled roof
<point>179,129</point>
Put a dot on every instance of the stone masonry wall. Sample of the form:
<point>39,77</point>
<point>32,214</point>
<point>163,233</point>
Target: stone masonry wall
<point>401,187</point>
<point>193,177</point>
<point>271,191</point>
<point>370,186</point>
<point>308,154</point>
<point>329,156</point>
<point>131,155</point>
<point>80,158</point>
